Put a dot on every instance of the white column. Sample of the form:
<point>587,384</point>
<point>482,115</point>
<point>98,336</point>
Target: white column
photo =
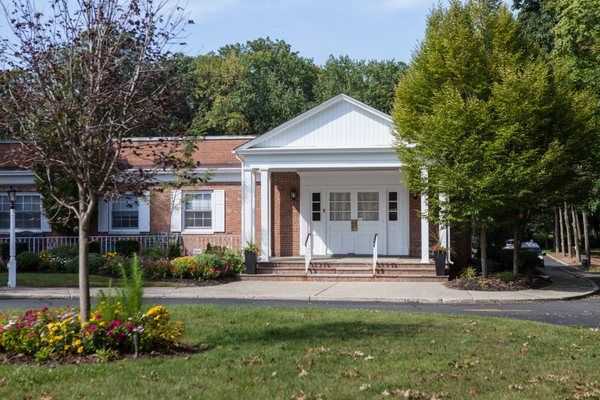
<point>424,223</point>
<point>248,202</point>
<point>265,214</point>
<point>12,263</point>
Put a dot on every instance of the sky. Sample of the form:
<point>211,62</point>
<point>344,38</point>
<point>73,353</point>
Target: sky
<point>363,29</point>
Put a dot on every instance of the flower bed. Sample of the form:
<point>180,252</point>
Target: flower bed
<point>58,335</point>
<point>502,281</point>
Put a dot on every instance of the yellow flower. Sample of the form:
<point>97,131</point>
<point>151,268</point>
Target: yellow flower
<point>80,349</point>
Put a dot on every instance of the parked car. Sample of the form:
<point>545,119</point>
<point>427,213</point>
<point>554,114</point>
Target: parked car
<point>531,254</point>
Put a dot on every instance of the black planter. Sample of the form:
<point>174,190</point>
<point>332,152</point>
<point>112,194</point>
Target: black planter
<point>250,261</point>
<point>440,263</point>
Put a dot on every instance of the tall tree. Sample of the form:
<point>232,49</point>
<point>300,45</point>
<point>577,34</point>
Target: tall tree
<point>251,88</point>
<point>77,90</point>
<point>491,124</point>
<point>372,82</point>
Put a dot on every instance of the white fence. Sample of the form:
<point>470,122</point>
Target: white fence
<point>37,244</point>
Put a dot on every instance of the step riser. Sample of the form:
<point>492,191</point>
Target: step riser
<point>364,271</point>
<point>344,278</point>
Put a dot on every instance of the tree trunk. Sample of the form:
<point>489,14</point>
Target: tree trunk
<point>562,231</point>
<point>568,229</point>
<point>516,248</point>
<point>483,246</point>
<point>576,234</point>
<point>556,237</point>
<point>578,225</point>
<point>586,238</point>
<point>84,285</point>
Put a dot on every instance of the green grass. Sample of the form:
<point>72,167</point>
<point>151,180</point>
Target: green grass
<point>40,280</point>
<point>261,353</point>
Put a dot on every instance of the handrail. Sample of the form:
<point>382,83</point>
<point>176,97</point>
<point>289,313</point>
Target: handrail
<point>307,252</point>
<point>375,240</point>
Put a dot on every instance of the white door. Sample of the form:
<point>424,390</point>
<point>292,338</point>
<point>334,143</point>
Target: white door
<point>354,217</point>
<point>318,224</point>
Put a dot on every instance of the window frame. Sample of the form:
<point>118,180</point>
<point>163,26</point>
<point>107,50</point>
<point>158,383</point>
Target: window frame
<point>20,230</point>
<point>111,229</point>
<point>198,230</point>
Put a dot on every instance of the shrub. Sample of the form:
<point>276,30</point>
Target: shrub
<point>19,248</point>
<point>156,269</point>
<point>153,252</point>
<point>61,259</point>
<point>94,247</point>
<point>505,276</point>
<point>127,248</point>
<point>210,266</point>
<point>95,263</point>
<point>28,262</point>
<point>185,268</point>
<point>469,273</point>
<point>133,287</point>
<point>233,261</point>
<point>112,264</point>
<point>174,250</point>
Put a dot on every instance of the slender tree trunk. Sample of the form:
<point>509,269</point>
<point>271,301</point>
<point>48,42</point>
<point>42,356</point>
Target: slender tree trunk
<point>483,246</point>
<point>556,238</point>
<point>575,234</point>
<point>586,238</point>
<point>578,225</point>
<point>568,229</point>
<point>562,231</point>
<point>84,286</point>
<point>516,248</point>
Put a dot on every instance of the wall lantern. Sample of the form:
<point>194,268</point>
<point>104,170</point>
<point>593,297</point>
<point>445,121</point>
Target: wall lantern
<point>293,194</point>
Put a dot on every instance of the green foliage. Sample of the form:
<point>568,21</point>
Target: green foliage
<point>233,262</point>
<point>95,263</point>
<point>156,268</point>
<point>505,276</point>
<point>5,249</point>
<point>153,252</point>
<point>372,82</point>
<point>61,259</point>
<point>250,248</point>
<point>251,88</point>
<point>62,219</point>
<point>127,248</point>
<point>132,292</point>
<point>185,267</point>
<point>174,250</point>
<point>113,263</point>
<point>469,273</point>
<point>209,266</point>
<point>28,262</point>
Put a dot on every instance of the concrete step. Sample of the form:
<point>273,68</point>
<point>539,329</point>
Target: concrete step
<point>343,278</point>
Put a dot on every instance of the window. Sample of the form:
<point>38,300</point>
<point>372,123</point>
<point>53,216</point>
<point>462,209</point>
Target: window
<point>125,213</point>
<point>197,210</point>
<point>340,206</point>
<point>368,206</point>
<point>393,206</point>
<point>316,206</point>
<point>28,212</point>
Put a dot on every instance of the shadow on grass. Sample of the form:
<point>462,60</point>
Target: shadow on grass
<point>312,332</point>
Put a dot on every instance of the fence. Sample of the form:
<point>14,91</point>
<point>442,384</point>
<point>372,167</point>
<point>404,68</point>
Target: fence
<point>37,244</point>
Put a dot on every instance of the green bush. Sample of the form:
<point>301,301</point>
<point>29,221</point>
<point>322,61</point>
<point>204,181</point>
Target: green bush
<point>112,264</point>
<point>61,259</point>
<point>233,262</point>
<point>174,250</point>
<point>95,263</point>
<point>28,262</point>
<point>155,252</point>
<point>185,268</point>
<point>469,273</point>
<point>210,266</point>
<point>94,247</point>
<point>132,291</point>
<point>505,276</point>
<point>156,269</point>
<point>127,248</point>
<point>19,248</point>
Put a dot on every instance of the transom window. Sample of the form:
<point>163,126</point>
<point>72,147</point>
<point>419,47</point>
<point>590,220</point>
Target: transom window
<point>197,210</point>
<point>340,206</point>
<point>125,213</point>
<point>28,212</point>
<point>368,206</point>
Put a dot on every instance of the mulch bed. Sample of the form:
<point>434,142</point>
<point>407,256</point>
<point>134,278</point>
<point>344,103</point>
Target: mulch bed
<point>495,284</point>
<point>182,350</point>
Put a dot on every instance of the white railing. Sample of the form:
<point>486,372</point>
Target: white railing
<point>307,252</point>
<point>107,243</point>
<point>375,245</point>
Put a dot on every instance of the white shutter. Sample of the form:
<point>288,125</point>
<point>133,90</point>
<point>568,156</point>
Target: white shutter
<point>44,223</point>
<point>103,215</point>
<point>176,199</point>
<point>144,212</point>
<point>218,210</point>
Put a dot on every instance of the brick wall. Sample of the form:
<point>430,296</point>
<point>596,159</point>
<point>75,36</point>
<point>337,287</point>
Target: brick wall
<point>285,214</point>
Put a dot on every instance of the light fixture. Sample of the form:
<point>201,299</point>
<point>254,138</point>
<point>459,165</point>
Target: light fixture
<point>293,194</point>
<point>12,196</point>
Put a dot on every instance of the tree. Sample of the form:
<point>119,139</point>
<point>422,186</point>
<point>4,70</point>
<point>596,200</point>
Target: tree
<point>372,82</point>
<point>251,88</point>
<point>488,121</point>
<point>77,90</point>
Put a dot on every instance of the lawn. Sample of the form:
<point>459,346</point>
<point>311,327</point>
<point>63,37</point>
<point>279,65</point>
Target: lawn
<point>31,279</point>
<point>261,353</point>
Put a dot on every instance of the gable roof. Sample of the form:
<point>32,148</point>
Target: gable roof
<point>353,105</point>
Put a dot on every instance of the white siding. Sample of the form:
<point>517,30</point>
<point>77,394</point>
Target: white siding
<point>343,125</point>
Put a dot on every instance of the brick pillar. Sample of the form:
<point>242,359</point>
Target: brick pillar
<point>286,214</point>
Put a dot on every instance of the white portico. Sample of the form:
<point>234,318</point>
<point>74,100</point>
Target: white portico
<point>330,176</point>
